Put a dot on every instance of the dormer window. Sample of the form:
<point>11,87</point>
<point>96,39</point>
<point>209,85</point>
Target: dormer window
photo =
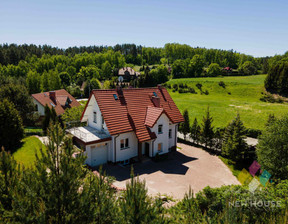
<point>95,117</point>
<point>160,129</point>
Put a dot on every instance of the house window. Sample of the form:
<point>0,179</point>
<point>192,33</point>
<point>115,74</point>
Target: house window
<point>160,147</point>
<point>170,133</point>
<point>124,143</point>
<point>102,122</point>
<point>95,117</point>
<point>160,129</point>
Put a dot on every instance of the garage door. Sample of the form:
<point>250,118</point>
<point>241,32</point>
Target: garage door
<point>99,154</point>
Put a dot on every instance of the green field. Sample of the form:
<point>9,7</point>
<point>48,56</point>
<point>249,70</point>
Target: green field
<point>241,94</point>
<point>26,154</point>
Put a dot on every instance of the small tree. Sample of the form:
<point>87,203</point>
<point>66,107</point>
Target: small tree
<point>137,206</point>
<point>248,68</point>
<point>185,126</point>
<point>272,149</point>
<point>234,145</point>
<point>11,128</point>
<point>207,132</point>
<point>195,131</point>
<point>214,70</point>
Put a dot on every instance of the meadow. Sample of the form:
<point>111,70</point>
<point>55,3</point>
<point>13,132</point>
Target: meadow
<point>241,94</point>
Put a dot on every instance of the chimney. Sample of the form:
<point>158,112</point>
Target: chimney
<point>159,86</point>
<point>156,101</point>
<point>52,95</point>
<point>119,91</point>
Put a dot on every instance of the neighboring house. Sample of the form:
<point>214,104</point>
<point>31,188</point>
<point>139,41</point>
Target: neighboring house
<point>127,123</point>
<point>128,73</point>
<point>59,99</point>
<point>227,69</point>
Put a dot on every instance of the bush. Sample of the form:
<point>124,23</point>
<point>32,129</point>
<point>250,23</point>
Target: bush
<point>222,84</point>
<point>175,86</point>
<point>199,85</point>
<point>192,90</point>
<point>253,133</point>
<point>181,86</point>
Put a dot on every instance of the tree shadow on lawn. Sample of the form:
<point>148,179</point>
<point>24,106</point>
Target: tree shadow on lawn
<point>174,164</point>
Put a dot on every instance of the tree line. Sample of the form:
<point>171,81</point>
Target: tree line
<point>135,54</point>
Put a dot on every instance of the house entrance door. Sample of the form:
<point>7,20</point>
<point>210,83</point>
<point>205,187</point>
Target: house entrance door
<point>146,149</point>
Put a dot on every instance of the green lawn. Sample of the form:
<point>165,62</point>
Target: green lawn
<point>241,94</point>
<point>26,154</point>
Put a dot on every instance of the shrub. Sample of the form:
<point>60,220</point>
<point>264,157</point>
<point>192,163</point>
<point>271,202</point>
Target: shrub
<point>181,85</point>
<point>175,86</point>
<point>222,84</point>
<point>192,90</point>
<point>253,133</point>
<point>199,85</point>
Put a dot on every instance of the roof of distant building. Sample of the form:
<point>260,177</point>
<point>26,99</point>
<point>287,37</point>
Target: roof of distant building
<point>59,99</point>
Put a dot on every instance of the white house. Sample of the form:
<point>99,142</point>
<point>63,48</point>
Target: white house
<point>127,123</point>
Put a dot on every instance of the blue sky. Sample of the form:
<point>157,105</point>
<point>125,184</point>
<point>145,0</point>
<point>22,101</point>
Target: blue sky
<point>254,27</point>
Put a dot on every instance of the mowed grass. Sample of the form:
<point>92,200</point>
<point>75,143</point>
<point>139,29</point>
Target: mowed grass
<point>241,94</point>
<point>26,154</point>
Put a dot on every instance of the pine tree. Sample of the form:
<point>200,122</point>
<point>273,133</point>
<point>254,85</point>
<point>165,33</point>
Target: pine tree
<point>234,145</point>
<point>9,177</point>
<point>137,206</point>
<point>185,126</point>
<point>195,131</point>
<point>207,132</point>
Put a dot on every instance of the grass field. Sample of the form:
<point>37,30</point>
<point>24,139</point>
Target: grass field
<point>26,154</point>
<point>241,94</point>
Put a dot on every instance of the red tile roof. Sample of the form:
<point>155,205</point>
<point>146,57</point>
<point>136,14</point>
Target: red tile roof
<point>59,103</point>
<point>152,115</point>
<point>134,110</point>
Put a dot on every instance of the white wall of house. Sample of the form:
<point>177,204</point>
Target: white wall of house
<point>40,107</point>
<point>126,153</point>
<point>161,137</point>
<point>91,108</point>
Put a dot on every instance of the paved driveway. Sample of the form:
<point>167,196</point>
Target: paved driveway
<point>189,166</point>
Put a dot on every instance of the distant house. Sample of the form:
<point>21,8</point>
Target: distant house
<point>227,69</point>
<point>128,73</point>
<point>127,123</point>
<point>59,99</point>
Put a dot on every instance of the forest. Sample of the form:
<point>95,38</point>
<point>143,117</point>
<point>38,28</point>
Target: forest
<point>43,68</point>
